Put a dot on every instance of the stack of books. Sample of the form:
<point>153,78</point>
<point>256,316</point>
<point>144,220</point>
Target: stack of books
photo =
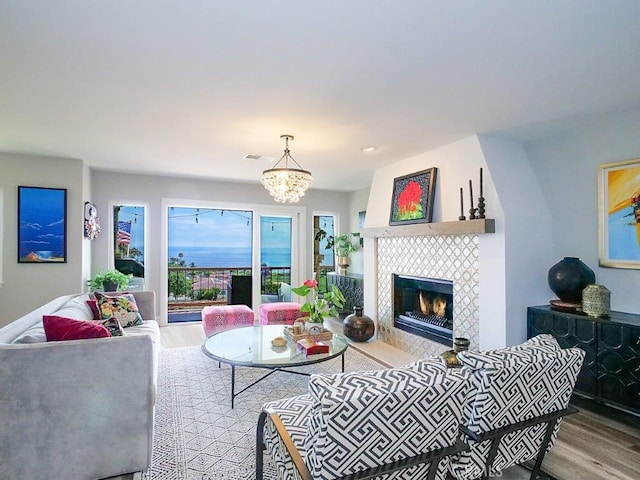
<point>309,346</point>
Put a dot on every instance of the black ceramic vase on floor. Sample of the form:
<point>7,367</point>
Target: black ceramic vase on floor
<point>358,327</point>
<point>569,277</point>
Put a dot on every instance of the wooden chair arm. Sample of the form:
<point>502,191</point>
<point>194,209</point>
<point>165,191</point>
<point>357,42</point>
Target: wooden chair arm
<point>293,452</point>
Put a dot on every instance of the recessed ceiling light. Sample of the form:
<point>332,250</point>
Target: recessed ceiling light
<point>369,148</point>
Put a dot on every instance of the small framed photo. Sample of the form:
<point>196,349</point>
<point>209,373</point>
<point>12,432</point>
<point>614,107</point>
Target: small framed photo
<point>619,214</point>
<point>413,197</point>
<point>42,225</point>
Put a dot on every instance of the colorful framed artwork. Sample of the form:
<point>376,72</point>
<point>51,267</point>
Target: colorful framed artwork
<point>619,214</point>
<point>42,225</point>
<point>413,197</point>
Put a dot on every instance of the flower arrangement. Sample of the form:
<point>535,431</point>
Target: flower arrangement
<point>321,305</point>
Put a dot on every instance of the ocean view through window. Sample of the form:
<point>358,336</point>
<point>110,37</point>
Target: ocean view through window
<point>210,250</point>
<point>228,256</point>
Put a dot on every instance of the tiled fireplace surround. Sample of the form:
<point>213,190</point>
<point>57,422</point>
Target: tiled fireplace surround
<point>449,257</point>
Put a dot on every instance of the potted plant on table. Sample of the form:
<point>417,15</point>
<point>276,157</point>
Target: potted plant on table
<point>110,280</point>
<point>321,305</point>
<point>344,245</point>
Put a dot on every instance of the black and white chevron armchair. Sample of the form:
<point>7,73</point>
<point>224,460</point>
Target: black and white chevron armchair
<point>422,421</point>
<point>400,423</point>
<point>521,395</point>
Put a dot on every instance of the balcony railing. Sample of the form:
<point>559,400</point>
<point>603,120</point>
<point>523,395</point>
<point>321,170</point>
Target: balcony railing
<point>192,287</point>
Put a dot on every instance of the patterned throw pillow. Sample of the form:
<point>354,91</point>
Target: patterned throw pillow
<point>121,307</point>
<point>395,412</point>
<point>536,346</point>
<point>114,327</point>
<point>374,382</point>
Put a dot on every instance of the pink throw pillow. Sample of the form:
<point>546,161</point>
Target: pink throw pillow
<point>62,328</point>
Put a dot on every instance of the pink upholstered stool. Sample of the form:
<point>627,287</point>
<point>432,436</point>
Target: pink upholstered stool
<point>280,313</point>
<point>217,318</point>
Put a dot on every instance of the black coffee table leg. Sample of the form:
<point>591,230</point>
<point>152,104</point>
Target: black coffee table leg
<point>233,383</point>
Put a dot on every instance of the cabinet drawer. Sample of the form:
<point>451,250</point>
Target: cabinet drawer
<point>619,364</point>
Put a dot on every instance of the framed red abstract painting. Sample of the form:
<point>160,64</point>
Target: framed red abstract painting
<point>413,197</point>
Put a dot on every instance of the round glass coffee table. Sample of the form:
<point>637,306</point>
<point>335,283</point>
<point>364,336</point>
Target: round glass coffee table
<point>251,347</point>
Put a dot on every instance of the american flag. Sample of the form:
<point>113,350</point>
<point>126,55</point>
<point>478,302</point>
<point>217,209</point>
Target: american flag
<point>124,233</point>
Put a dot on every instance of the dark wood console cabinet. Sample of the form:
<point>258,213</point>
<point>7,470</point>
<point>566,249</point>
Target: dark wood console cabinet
<point>611,370</point>
<point>352,286</point>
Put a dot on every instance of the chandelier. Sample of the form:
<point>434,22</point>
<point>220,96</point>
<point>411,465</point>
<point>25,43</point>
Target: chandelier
<point>285,184</point>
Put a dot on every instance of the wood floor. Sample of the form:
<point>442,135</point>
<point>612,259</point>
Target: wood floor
<point>590,445</point>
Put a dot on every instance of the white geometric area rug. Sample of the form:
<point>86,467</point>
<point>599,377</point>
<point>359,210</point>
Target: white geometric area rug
<point>197,435</point>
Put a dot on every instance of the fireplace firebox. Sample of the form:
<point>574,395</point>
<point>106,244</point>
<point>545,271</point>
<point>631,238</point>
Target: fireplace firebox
<point>424,306</point>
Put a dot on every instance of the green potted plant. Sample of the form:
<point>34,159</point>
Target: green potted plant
<point>110,280</point>
<point>344,245</point>
<point>320,305</point>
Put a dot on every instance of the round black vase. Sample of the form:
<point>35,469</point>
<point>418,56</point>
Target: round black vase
<point>569,277</point>
<point>358,327</point>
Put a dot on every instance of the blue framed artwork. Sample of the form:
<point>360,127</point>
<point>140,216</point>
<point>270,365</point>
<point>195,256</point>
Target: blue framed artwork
<point>619,215</point>
<point>42,225</point>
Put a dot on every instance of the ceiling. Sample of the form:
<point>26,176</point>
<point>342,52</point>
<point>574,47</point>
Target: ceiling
<point>187,87</point>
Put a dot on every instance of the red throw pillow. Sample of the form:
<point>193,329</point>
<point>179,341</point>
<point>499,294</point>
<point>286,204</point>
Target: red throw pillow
<point>62,328</point>
<point>93,305</point>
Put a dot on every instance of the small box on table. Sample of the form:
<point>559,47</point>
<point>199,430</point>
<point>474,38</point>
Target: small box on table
<point>309,346</point>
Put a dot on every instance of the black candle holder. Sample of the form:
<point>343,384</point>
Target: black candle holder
<point>480,209</point>
<point>472,213</point>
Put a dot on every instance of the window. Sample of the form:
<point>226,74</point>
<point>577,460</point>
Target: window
<point>129,241</point>
<point>323,257</point>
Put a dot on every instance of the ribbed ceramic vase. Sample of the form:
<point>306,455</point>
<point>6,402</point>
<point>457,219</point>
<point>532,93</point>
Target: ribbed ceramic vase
<point>569,277</point>
<point>596,301</point>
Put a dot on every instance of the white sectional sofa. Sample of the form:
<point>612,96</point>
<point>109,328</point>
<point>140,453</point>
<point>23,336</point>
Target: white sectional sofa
<point>79,409</point>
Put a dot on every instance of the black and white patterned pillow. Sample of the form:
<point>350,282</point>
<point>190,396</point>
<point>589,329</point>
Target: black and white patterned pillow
<point>513,390</point>
<point>540,344</point>
<point>345,385</point>
<point>362,419</point>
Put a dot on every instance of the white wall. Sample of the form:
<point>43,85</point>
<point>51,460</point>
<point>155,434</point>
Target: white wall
<point>526,252</point>
<point>566,167</point>
<point>509,258</point>
<point>109,187</point>
<point>27,286</point>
